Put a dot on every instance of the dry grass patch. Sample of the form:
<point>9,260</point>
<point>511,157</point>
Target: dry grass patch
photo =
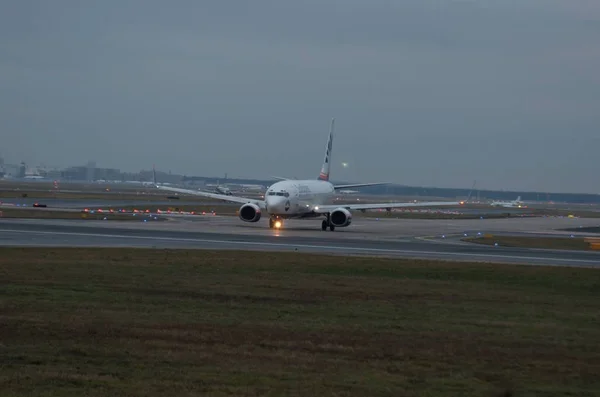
<point>137,322</point>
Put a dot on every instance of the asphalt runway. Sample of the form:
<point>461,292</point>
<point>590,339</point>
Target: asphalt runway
<point>385,237</point>
<point>144,202</point>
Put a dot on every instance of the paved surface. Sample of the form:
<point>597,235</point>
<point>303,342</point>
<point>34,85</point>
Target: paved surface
<point>389,237</point>
<point>78,204</point>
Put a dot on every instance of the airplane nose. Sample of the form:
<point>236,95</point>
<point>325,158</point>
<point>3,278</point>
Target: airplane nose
<point>276,205</point>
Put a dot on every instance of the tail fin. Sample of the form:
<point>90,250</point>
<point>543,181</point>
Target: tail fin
<point>324,175</point>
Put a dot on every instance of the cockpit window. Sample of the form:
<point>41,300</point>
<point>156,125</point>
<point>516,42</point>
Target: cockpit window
<point>271,193</point>
<point>283,194</point>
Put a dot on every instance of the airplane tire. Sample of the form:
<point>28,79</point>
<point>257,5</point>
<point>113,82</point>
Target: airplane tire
<point>324,225</point>
<point>331,227</point>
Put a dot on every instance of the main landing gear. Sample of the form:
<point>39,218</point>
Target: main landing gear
<point>326,223</point>
<point>275,223</point>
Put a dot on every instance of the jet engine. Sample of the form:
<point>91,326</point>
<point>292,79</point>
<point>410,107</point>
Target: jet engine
<point>250,212</point>
<point>340,217</point>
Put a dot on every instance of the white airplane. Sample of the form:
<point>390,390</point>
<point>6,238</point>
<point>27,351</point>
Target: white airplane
<point>509,204</point>
<point>223,190</point>
<point>217,188</point>
<point>301,199</point>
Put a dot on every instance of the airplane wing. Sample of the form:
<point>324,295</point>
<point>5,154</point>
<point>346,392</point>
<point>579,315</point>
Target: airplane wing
<point>359,185</point>
<point>321,209</point>
<point>224,197</point>
<point>281,178</point>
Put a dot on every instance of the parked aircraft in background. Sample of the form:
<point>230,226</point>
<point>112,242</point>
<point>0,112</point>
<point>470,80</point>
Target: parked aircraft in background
<point>509,204</point>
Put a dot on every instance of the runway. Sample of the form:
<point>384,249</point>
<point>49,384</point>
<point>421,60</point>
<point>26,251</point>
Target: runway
<point>78,204</point>
<point>389,238</point>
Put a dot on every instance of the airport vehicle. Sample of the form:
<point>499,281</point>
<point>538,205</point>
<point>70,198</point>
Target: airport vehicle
<point>304,199</point>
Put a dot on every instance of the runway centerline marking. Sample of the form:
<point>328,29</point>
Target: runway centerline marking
<point>282,245</point>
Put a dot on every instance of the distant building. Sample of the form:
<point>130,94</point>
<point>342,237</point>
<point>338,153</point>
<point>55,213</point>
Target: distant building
<point>162,177</point>
<point>91,171</point>
<point>108,174</point>
<point>22,170</point>
<point>51,173</point>
<point>11,170</point>
<point>78,173</point>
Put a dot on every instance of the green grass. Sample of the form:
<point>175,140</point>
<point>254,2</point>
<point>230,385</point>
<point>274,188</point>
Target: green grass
<point>28,213</point>
<point>563,212</point>
<point>133,322</point>
<point>563,243</point>
<point>589,229</point>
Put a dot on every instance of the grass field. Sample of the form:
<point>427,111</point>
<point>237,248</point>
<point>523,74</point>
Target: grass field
<point>126,322</point>
<point>581,213</point>
<point>563,243</point>
<point>590,229</point>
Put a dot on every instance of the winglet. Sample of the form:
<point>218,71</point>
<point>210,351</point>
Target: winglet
<point>324,174</point>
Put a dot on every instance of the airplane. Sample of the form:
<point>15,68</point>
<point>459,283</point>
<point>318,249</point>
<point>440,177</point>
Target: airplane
<point>223,190</point>
<point>305,199</point>
<point>509,204</point>
<point>218,188</point>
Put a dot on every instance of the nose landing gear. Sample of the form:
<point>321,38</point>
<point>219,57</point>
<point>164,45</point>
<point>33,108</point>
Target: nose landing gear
<point>327,223</point>
<point>275,223</point>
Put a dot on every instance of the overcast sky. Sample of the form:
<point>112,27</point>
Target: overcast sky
<point>429,93</point>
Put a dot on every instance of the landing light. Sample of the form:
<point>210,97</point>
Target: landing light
<point>316,208</point>
<point>277,224</point>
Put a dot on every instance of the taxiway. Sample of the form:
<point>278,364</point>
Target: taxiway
<point>383,237</point>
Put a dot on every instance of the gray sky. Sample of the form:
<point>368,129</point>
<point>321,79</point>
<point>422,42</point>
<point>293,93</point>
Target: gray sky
<point>435,93</point>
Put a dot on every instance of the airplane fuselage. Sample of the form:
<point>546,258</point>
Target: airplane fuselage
<point>508,205</point>
<point>223,190</point>
<point>297,198</point>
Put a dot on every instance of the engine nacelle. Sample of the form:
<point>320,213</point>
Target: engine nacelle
<point>250,212</point>
<point>340,217</point>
